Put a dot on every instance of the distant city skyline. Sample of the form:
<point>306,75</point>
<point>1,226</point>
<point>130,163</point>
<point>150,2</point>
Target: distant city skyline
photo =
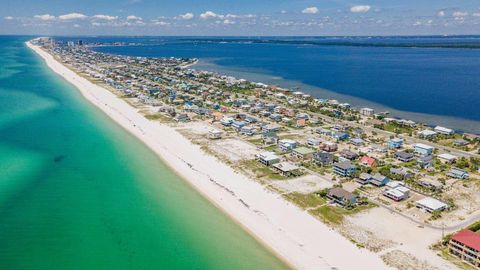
<point>242,18</point>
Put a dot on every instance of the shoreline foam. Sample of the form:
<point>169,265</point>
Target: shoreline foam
<point>295,236</point>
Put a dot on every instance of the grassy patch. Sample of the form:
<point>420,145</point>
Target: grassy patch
<point>305,200</point>
<point>159,117</point>
<point>261,171</point>
<point>335,214</point>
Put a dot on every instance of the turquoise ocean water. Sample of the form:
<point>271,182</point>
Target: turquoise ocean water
<point>78,192</point>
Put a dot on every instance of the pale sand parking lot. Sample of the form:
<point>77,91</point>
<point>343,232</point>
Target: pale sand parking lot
<point>298,238</point>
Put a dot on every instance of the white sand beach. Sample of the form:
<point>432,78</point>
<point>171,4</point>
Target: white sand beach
<point>298,238</point>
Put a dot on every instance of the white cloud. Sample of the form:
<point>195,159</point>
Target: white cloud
<point>441,13</point>
<point>45,17</point>
<point>360,9</point>
<point>208,15</point>
<point>76,25</point>
<point>162,23</point>
<point>134,18</point>
<point>72,16</point>
<point>459,14</point>
<point>8,18</point>
<point>186,16</point>
<point>227,21</point>
<point>310,10</point>
<point>476,14</point>
<point>105,17</point>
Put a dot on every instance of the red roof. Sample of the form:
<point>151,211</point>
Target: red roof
<point>468,238</point>
<point>368,160</point>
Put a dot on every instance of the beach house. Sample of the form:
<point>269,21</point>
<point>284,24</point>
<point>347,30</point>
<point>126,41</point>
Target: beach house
<point>423,150</point>
<point>404,156</point>
<point>341,196</point>
<point>395,143</point>
<point>345,168</point>
<point>287,145</point>
<point>302,153</point>
<point>268,158</point>
<point>398,193</point>
<point>458,173</point>
<point>323,158</point>
<point>444,130</point>
<point>465,245</point>
<point>214,134</point>
<point>429,205</point>
<point>286,169</point>
<point>367,161</point>
<point>379,180</point>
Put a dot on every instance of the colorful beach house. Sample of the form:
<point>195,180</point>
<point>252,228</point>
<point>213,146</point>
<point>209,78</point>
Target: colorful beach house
<point>395,143</point>
<point>465,245</point>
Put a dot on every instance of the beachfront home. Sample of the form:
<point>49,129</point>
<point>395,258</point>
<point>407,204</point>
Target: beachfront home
<point>404,156</point>
<point>323,158</point>
<point>423,150</point>
<point>214,134</point>
<point>427,134</point>
<point>287,145</point>
<point>444,130</point>
<point>341,196</point>
<point>379,180</point>
<point>429,205</point>
<point>465,245</point>
<point>458,173</point>
<point>345,168</point>
<point>303,153</point>
<point>286,169</point>
<point>367,112</point>
<point>395,143</point>
<point>268,158</point>
<point>182,117</point>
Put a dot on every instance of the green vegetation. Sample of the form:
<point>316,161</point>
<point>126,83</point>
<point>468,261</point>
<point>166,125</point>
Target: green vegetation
<point>335,214</point>
<point>160,117</point>
<point>261,171</point>
<point>305,200</point>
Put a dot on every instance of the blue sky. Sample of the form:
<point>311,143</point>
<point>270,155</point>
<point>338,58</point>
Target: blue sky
<point>240,17</point>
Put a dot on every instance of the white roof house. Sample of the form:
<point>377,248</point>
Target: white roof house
<point>447,157</point>
<point>444,130</point>
<point>427,133</point>
<point>430,204</point>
